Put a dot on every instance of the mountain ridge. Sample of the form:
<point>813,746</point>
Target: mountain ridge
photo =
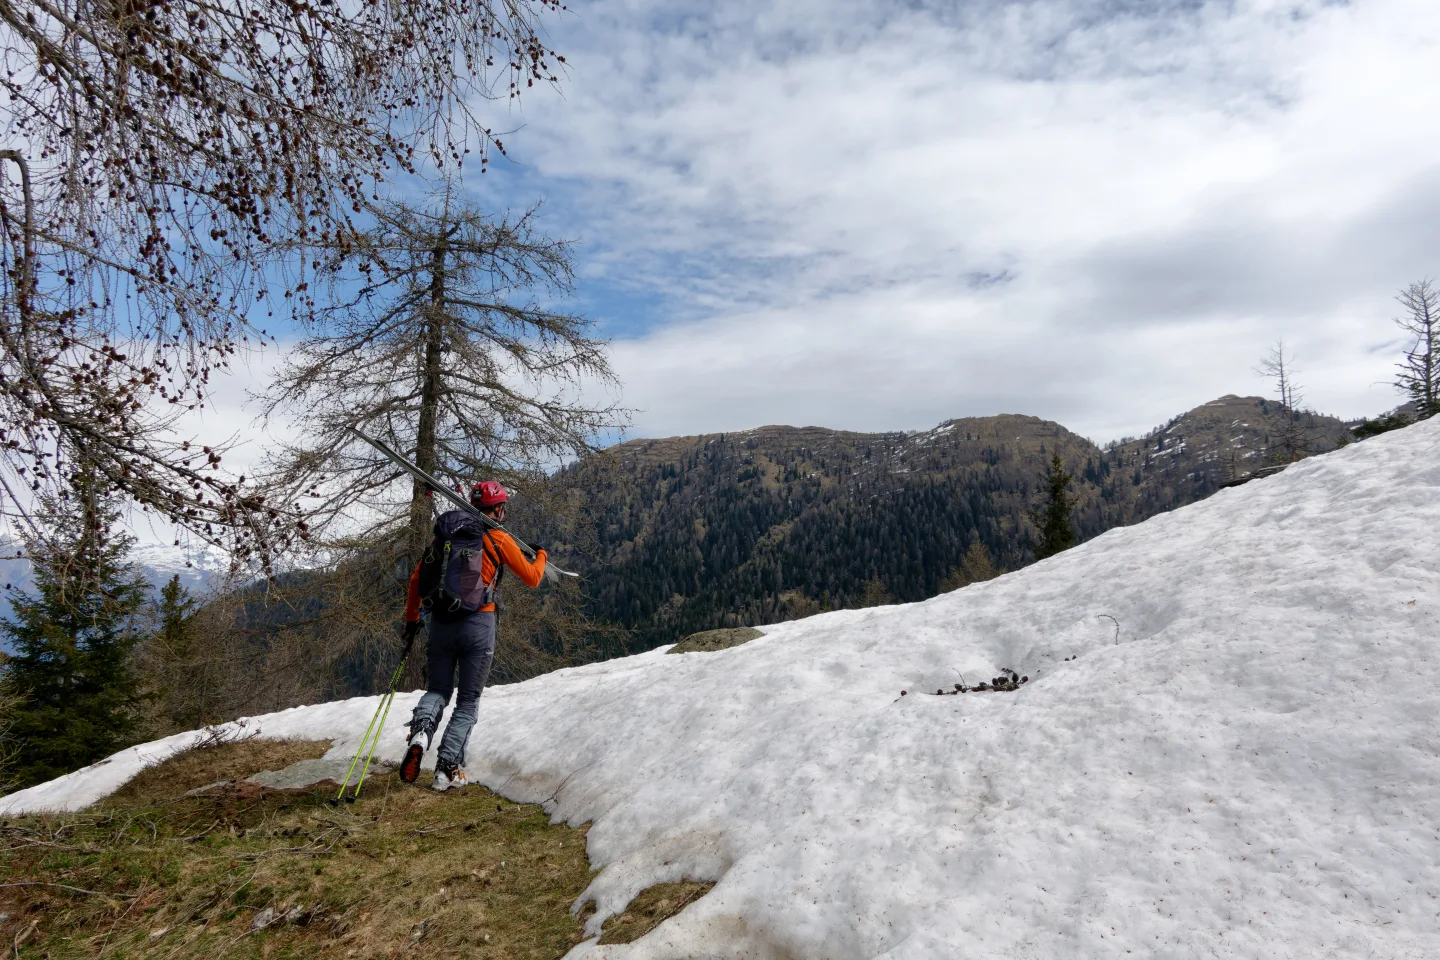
<point>704,531</point>
<point>776,521</point>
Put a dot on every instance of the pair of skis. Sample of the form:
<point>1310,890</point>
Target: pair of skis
<point>382,711</point>
<point>551,571</point>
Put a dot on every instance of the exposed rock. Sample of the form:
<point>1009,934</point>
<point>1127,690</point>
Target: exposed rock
<point>310,772</point>
<point>708,641</point>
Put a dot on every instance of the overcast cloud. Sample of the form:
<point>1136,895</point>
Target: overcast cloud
<point>879,216</point>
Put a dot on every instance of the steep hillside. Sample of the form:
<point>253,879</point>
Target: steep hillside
<point>690,533</point>
<point>694,532</point>
<point>1225,748</point>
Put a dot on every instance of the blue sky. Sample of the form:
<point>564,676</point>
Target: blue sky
<point>873,215</point>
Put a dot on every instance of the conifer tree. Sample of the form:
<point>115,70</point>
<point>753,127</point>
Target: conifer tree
<point>1057,530</point>
<point>183,678</point>
<point>1419,373</point>
<point>72,636</point>
<point>455,350</point>
<point>9,750</point>
<point>1288,434</point>
<point>975,567</point>
<point>876,594</point>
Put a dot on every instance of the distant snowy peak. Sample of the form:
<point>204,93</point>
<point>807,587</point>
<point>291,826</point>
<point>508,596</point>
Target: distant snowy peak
<point>195,565</point>
<point>157,563</point>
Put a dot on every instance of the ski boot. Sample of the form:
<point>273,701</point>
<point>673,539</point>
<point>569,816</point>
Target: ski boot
<point>448,776</point>
<point>410,766</point>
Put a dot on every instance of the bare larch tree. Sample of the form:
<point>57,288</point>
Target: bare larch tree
<point>1419,372</point>
<point>155,154</point>
<point>1289,432</point>
<point>443,339</point>
<point>448,347</point>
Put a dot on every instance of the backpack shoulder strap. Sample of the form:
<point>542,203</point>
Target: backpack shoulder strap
<point>486,542</point>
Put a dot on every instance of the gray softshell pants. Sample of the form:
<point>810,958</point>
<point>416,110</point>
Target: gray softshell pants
<point>468,645</point>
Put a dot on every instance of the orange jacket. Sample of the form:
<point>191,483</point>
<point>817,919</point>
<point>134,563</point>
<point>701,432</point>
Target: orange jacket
<point>529,573</point>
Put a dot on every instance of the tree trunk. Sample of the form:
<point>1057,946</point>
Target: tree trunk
<point>426,456</point>
<point>425,443</point>
<point>1430,404</point>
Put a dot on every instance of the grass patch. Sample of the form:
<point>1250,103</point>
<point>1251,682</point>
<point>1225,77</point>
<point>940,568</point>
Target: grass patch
<point>211,764</point>
<point>650,908</point>
<point>276,874</point>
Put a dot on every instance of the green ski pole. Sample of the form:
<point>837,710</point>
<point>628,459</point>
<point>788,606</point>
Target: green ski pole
<point>382,711</point>
<point>361,749</point>
<point>389,699</point>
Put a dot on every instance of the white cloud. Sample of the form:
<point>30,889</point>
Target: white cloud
<point>228,421</point>
<point>819,194</point>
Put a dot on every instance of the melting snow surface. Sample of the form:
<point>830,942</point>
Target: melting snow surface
<point>1249,767</point>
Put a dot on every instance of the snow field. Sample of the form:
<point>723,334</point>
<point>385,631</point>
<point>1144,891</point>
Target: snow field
<point>1249,770</point>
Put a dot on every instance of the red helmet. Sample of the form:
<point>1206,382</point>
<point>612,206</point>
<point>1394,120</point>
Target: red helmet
<point>488,493</point>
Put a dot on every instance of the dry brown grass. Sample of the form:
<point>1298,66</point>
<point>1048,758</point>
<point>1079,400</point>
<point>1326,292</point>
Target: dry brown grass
<point>247,873</point>
<point>650,908</point>
<point>226,761</point>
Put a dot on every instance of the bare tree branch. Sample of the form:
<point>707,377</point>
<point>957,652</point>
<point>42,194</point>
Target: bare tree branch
<point>169,153</point>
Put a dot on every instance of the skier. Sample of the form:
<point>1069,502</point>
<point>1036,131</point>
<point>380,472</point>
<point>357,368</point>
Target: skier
<point>458,580</point>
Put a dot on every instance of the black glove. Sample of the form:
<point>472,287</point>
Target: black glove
<point>537,548</point>
<point>411,629</point>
